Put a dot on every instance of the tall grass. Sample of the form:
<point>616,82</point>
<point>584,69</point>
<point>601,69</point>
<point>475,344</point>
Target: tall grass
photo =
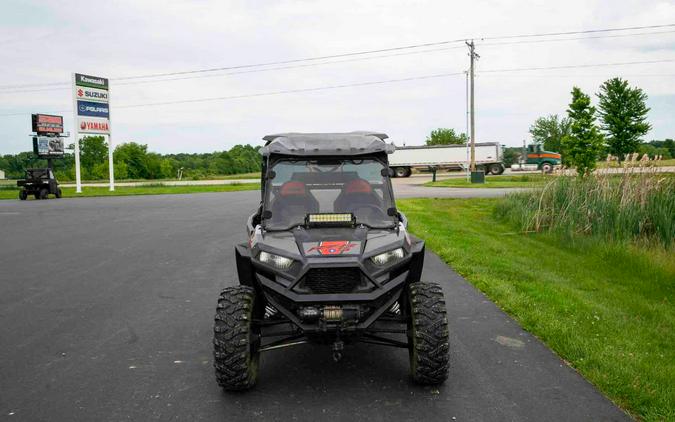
<point>636,205</point>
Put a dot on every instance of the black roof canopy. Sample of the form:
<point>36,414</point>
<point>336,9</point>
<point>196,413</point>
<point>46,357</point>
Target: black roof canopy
<point>320,144</point>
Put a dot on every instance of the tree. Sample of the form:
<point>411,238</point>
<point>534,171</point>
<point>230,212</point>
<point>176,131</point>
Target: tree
<point>135,157</point>
<point>584,141</point>
<point>623,114</point>
<point>93,153</point>
<point>443,136</point>
<point>511,155</point>
<point>549,132</point>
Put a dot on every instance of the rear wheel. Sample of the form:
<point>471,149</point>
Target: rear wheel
<point>44,193</point>
<point>23,195</point>
<point>58,193</point>
<point>547,167</point>
<point>402,172</point>
<point>428,338</point>
<point>236,339</point>
<point>496,169</point>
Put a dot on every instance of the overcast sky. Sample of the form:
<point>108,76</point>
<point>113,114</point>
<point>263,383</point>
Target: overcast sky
<point>44,42</point>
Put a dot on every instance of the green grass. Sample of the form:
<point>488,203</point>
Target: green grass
<point>519,181</point>
<point>157,189</point>
<point>605,308</point>
<point>631,206</point>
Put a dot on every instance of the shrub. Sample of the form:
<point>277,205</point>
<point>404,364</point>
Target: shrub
<point>637,205</point>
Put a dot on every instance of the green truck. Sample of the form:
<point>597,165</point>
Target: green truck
<point>537,159</point>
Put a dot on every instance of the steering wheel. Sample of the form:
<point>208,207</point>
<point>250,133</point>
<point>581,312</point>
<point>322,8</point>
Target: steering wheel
<point>377,210</point>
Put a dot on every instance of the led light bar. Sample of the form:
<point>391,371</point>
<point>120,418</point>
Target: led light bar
<point>330,219</point>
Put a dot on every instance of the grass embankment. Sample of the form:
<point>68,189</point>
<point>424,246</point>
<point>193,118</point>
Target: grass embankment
<point>606,308</point>
<point>519,181</point>
<point>158,189</point>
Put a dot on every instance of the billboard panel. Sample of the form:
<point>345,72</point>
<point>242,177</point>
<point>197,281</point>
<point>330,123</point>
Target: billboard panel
<point>48,146</point>
<point>93,125</point>
<point>47,123</point>
<point>91,81</point>
<point>92,109</point>
<point>91,94</point>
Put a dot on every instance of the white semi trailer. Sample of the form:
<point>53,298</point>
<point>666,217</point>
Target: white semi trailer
<point>404,159</point>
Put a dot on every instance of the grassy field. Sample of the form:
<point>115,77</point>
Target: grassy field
<point>519,181</point>
<point>605,308</point>
<point>158,189</point>
<point>217,177</point>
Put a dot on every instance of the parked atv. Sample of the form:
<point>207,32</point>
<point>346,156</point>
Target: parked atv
<point>328,260</point>
<point>39,183</point>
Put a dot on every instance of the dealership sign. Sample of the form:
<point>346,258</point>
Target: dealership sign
<point>91,99</point>
<point>48,146</point>
<point>92,109</point>
<point>91,94</point>
<point>91,81</point>
<point>46,123</point>
<point>93,125</point>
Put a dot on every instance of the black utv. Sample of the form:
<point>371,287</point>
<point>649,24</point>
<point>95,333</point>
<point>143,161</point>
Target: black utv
<point>328,260</point>
<point>40,183</point>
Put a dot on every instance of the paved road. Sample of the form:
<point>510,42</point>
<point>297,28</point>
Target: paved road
<point>106,308</point>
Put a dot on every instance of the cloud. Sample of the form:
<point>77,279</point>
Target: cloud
<point>47,41</point>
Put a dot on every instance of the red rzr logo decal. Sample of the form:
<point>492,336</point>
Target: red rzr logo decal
<point>333,247</point>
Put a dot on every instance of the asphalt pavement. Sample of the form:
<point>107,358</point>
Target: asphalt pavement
<point>106,311</point>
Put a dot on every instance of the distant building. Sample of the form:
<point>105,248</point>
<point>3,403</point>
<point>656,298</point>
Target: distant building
<point>2,174</point>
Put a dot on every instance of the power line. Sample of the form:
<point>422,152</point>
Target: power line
<point>575,66</point>
<point>359,84</point>
<point>357,53</point>
<point>65,86</point>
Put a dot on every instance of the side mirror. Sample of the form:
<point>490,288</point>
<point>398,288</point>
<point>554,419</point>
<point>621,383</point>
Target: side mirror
<point>387,172</point>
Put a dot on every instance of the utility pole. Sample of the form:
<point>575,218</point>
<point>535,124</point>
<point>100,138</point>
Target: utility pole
<point>473,56</point>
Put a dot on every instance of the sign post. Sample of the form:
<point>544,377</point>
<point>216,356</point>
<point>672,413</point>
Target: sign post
<point>91,105</point>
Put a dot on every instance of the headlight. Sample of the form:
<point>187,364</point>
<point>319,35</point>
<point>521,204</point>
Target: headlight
<point>278,262</point>
<point>387,257</point>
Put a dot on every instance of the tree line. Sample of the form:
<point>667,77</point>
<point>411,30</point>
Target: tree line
<point>589,133</point>
<point>133,161</point>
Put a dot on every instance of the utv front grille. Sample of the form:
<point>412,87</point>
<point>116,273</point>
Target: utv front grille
<point>332,280</point>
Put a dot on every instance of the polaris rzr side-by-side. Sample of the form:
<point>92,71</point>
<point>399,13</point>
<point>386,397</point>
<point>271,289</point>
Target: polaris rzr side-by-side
<point>328,260</point>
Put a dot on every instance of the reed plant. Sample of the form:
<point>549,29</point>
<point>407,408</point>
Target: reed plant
<point>637,204</point>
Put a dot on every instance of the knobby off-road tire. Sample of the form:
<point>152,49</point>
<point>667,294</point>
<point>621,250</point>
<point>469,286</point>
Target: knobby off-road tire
<point>44,194</point>
<point>58,193</point>
<point>23,195</point>
<point>235,339</point>
<point>428,334</point>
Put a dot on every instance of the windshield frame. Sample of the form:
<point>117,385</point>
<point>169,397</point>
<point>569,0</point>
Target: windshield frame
<point>387,189</point>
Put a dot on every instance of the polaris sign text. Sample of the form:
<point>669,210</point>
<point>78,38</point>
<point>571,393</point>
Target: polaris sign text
<point>92,109</point>
<point>91,94</point>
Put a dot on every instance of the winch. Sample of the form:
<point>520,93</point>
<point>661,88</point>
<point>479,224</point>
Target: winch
<point>330,313</point>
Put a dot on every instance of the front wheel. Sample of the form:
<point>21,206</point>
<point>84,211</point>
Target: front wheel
<point>547,167</point>
<point>44,193</point>
<point>58,193</point>
<point>428,337</point>
<point>236,339</point>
